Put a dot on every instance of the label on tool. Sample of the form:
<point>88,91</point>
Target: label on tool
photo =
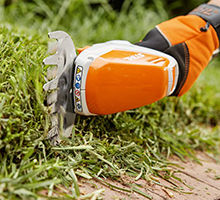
<point>77,88</point>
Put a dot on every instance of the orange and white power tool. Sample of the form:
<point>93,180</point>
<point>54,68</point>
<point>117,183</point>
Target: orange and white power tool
<point>116,76</point>
<point>103,79</point>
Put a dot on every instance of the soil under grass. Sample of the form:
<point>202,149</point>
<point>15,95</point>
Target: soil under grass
<point>197,181</point>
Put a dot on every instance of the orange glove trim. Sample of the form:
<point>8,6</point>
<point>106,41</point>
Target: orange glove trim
<point>181,29</point>
<point>201,45</point>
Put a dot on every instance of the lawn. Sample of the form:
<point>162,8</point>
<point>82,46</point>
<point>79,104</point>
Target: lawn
<point>137,143</point>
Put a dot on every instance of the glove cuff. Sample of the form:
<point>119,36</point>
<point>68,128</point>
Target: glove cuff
<point>211,14</point>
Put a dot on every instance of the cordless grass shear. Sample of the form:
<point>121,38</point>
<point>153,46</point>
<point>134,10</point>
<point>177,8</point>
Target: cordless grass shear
<point>103,79</point>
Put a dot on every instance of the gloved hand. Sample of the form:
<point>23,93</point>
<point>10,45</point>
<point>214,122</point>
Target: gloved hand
<point>191,40</point>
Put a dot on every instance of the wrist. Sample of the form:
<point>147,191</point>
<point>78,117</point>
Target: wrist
<point>211,14</point>
<point>214,2</point>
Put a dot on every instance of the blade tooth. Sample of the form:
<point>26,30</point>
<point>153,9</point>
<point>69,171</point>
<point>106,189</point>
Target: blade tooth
<point>51,60</point>
<point>51,72</point>
<point>51,85</point>
<point>52,98</point>
<point>53,110</point>
<point>58,35</point>
<point>54,120</point>
<point>52,47</point>
<point>54,131</point>
<point>53,136</point>
<point>67,132</point>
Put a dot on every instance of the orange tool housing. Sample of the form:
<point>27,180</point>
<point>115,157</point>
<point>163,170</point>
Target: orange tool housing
<point>119,80</point>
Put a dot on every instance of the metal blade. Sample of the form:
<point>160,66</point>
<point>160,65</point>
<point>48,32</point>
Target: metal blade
<point>51,72</point>
<point>52,98</point>
<point>58,35</point>
<point>51,60</point>
<point>59,89</point>
<point>51,85</point>
<point>52,47</point>
<point>53,109</point>
<point>53,135</point>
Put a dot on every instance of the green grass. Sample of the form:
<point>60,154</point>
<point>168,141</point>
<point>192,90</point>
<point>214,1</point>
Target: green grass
<point>86,25</point>
<point>137,142</point>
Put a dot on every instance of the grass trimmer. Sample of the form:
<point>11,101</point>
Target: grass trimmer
<point>103,79</point>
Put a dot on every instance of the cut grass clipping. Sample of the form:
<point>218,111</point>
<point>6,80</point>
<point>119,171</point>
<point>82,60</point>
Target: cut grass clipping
<point>136,142</point>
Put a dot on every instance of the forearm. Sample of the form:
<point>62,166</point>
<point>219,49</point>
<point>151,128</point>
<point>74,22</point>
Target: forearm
<point>214,2</point>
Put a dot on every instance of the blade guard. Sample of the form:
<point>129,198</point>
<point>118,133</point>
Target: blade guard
<point>60,98</point>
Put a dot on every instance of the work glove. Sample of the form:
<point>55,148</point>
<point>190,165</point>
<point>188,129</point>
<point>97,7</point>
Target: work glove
<point>192,40</point>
